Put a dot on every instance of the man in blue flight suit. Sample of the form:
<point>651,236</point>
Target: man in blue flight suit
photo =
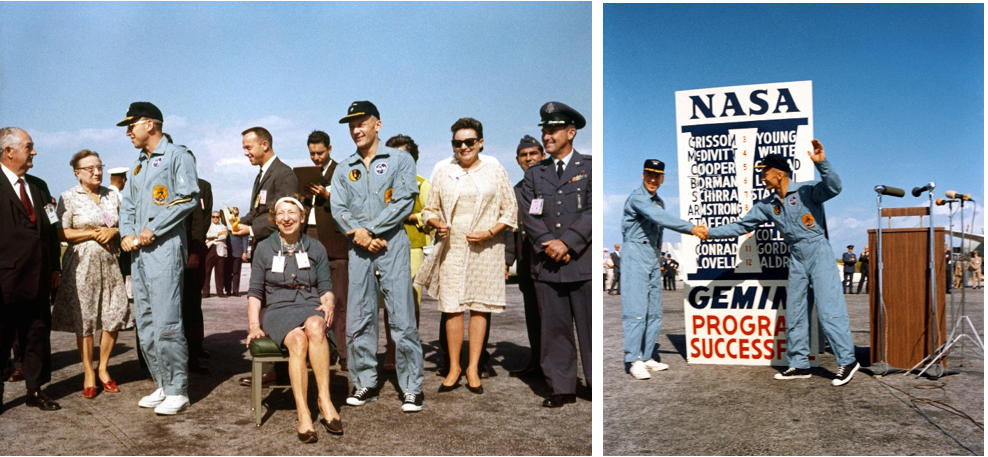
<point>162,189</point>
<point>373,193</point>
<point>641,299</point>
<point>797,211</point>
<point>556,211</point>
<point>849,261</point>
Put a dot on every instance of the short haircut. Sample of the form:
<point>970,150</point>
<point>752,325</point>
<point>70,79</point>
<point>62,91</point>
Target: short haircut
<point>9,137</point>
<point>261,133</point>
<point>81,155</point>
<point>273,209</point>
<point>317,137</point>
<point>468,123</point>
<point>400,140</point>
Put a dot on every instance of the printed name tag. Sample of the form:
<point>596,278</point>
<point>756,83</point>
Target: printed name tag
<point>263,197</point>
<point>108,220</point>
<point>302,259</point>
<point>50,211</point>
<point>536,208</point>
<point>278,264</point>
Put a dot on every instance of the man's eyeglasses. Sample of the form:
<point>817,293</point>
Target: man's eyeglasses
<point>131,126</point>
<point>93,169</point>
<point>469,142</point>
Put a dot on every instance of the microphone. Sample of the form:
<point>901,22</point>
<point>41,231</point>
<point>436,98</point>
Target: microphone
<point>941,202</point>
<point>891,191</point>
<point>954,194</point>
<point>919,190</point>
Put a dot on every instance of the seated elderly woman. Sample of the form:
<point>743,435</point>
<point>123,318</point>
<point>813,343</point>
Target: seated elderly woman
<point>290,277</point>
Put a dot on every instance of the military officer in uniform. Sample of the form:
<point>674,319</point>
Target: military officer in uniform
<point>162,189</point>
<point>797,211</point>
<point>642,223</point>
<point>849,261</point>
<point>556,212</point>
<point>373,193</point>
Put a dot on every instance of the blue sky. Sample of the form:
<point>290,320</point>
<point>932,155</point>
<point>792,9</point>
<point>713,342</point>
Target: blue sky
<point>898,95</point>
<point>68,72</point>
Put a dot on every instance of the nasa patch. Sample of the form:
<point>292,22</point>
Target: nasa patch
<point>381,168</point>
<point>157,162</point>
<point>354,175</point>
<point>793,200</point>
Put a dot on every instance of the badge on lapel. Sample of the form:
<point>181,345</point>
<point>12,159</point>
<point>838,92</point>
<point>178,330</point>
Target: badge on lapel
<point>160,195</point>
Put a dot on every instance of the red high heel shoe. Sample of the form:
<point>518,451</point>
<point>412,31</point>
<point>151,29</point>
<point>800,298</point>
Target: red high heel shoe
<point>110,386</point>
<point>89,392</point>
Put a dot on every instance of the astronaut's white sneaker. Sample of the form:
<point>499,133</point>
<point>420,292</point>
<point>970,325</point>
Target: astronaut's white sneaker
<point>173,404</point>
<point>639,371</point>
<point>152,400</point>
<point>655,366</point>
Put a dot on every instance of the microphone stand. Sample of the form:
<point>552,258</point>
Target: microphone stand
<point>882,367</point>
<point>959,332</point>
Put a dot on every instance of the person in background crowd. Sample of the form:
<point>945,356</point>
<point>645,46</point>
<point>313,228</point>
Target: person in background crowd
<point>975,266</point>
<point>518,248</point>
<point>30,238</point>
<point>616,262</point>
<point>238,255</point>
<point>556,211</point>
<point>849,260</point>
<point>959,265</point>
<point>669,274</point>
<point>118,180</point>
<point>608,269</point>
<point>151,213</point>
<point>216,256</point>
<point>864,258</point>
<point>92,296</point>
<point>290,277</point>
<point>379,253</point>
<point>417,236</point>
<point>469,206</point>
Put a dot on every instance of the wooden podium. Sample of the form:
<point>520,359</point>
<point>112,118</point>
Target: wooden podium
<point>905,253</point>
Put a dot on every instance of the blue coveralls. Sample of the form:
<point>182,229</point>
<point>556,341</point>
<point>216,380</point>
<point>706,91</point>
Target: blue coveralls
<point>379,198</point>
<point>161,191</point>
<point>800,219</point>
<point>641,285</point>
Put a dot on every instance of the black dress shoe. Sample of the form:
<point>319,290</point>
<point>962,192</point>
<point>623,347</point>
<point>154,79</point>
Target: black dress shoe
<point>203,354</point>
<point>558,400</point>
<point>527,372</point>
<point>477,390</point>
<point>41,401</point>
<point>443,388</point>
<point>197,368</point>
<point>266,380</point>
<point>334,427</point>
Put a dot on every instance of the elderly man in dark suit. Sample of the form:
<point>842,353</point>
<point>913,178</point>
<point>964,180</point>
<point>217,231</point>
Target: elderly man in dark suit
<point>518,248</point>
<point>29,265</point>
<point>322,228</point>
<point>556,212</point>
<point>275,180</point>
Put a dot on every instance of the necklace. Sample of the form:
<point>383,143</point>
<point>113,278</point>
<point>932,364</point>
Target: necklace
<point>289,247</point>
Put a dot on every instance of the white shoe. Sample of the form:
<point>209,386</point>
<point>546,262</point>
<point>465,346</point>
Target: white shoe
<point>173,404</point>
<point>655,366</point>
<point>639,371</point>
<point>152,400</point>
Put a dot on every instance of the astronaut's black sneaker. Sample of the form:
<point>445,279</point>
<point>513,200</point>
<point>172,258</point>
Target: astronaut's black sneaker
<point>362,396</point>
<point>845,372</point>
<point>794,373</point>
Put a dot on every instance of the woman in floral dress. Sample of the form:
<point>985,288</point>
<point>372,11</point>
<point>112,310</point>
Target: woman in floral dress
<point>471,202</point>
<point>92,296</point>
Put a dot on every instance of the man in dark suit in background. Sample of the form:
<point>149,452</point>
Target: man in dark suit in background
<point>518,248</point>
<point>616,260</point>
<point>275,180</point>
<point>556,212</point>
<point>849,260</point>
<point>196,225</point>
<point>335,242</point>
<point>29,267</point>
